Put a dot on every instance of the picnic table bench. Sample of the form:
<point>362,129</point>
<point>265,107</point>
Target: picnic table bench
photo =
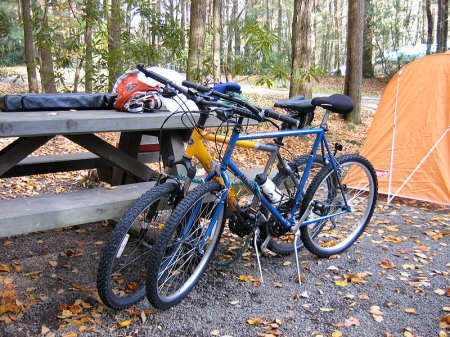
<point>124,164</point>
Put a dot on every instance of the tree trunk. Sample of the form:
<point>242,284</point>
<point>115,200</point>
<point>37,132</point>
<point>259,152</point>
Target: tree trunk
<point>442,26</point>
<point>88,64</point>
<point>237,37</point>
<point>280,27</point>
<point>368,71</point>
<point>183,22</point>
<point>197,36</point>
<point>429,25</point>
<point>115,56</point>
<point>43,42</point>
<point>353,74</point>
<point>301,30</point>
<point>216,40</point>
<point>33,86</point>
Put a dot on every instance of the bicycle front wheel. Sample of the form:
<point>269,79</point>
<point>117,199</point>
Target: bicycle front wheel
<point>185,247</point>
<point>335,233</point>
<point>122,268</point>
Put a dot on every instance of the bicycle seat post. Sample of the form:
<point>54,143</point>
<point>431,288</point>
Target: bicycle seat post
<point>325,118</point>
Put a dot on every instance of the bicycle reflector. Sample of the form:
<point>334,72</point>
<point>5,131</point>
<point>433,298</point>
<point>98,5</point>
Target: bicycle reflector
<point>134,94</point>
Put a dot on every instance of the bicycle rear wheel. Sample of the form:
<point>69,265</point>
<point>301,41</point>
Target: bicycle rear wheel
<point>185,248</point>
<point>359,184</point>
<point>123,265</point>
<point>283,242</point>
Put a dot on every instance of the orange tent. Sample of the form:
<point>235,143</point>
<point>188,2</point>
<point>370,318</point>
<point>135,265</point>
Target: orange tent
<point>409,140</point>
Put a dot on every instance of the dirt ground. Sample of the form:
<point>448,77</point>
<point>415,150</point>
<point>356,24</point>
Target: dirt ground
<point>392,282</point>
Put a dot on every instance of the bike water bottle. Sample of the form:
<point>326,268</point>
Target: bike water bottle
<point>268,187</point>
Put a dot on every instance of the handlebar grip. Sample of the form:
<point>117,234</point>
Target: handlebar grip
<point>283,118</point>
<point>195,86</point>
<point>152,74</point>
<point>247,113</point>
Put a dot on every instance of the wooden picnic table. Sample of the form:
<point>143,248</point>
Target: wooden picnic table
<point>124,162</point>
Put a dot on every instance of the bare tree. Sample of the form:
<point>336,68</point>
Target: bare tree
<point>301,31</point>
<point>353,74</point>
<point>197,37</point>
<point>29,47</point>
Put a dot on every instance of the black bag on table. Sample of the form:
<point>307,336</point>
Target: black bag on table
<point>44,102</point>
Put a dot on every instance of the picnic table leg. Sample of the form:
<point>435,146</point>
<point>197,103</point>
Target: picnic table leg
<point>18,150</point>
<point>129,143</point>
<point>172,143</point>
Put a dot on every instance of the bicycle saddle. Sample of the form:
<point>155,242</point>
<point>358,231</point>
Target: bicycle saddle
<point>296,103</point>
<point>337,103</point>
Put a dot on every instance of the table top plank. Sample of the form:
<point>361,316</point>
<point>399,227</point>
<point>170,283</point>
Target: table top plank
<point>43,123</point>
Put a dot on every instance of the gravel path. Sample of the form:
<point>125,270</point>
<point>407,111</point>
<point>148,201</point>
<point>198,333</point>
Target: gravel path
<point>392,282</point>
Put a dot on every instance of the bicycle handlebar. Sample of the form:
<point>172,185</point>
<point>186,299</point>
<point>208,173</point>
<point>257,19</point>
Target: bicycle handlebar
<point>248,110</point>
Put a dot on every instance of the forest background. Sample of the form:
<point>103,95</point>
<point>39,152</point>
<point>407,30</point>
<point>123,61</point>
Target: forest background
<point>275,42</point>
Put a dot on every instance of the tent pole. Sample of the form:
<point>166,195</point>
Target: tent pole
<point>418,166</point>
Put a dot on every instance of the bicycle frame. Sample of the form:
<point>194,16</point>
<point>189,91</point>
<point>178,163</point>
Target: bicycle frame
<point>195,148</point>
<point>288,223</point>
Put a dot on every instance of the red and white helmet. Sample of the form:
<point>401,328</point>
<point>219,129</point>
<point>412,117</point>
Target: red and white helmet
<point>136,93</point>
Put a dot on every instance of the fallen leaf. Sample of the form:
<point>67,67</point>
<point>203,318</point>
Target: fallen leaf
<point>336,333</point>
<point>410,310</point>
<point>386,264</point>
<point>326,309</point>
<point>277,285</point>
<point>44,330</point>
<point>5,268</point>
<point>69,334</point>
<point>392,229</point>
<point>440,292</point>
<point>123,323</point>
<point>53,263</point>
<point>351,321</point>
<point>214,332</point>
<point>341,283</point>
<point>376,313</point>
<point>254,321</point>
<point>363,297</point>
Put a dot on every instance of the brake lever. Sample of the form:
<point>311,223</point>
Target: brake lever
<point>168,92</point>
<point>224,114</point>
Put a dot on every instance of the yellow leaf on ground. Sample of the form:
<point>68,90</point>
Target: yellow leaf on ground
<point>253,321</point>
<point>386,264</point>
<point>53,263</point>
<point>392,229</point>
<point>326,309</point>
<point>5,268</point>
<point>123,323</point>
<point>336,333</point>
<point>69,334</point>
<point>410,311</point>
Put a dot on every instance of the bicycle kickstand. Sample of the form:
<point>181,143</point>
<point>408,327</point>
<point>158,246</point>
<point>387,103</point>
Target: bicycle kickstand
<point>297,235</point>
<point>257,253</point>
